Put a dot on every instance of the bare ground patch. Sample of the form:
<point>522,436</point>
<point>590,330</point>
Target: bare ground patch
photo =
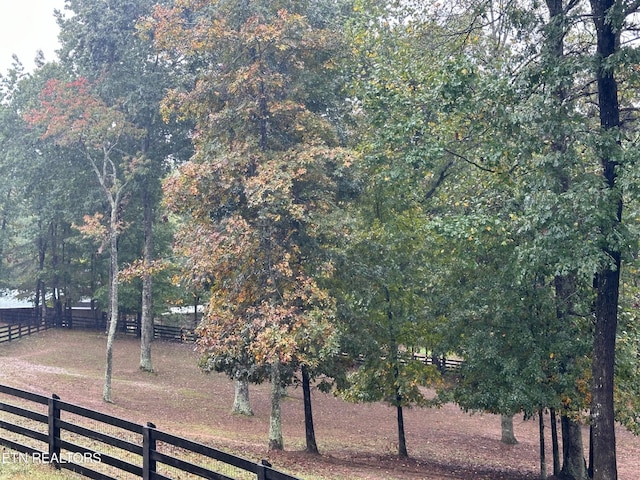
<point>357,442</point>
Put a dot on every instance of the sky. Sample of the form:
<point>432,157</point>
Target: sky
<point>27,26</point>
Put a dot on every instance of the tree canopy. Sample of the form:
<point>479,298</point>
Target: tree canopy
<point>346,185</point>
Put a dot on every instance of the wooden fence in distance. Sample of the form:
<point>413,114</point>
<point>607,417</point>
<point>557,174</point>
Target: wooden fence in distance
<point>24,324</point>
<point>130,325</point>
<point>49,430</point>
<point>24,321</point>
<point>20,315</point>
<point>445,365</point>
<point>16,331</point>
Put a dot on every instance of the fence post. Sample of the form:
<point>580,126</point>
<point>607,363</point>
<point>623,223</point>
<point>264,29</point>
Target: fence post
<point>54,431</point>
<point>148,447</point>
<point>262,469</point>
<point>10,325</point>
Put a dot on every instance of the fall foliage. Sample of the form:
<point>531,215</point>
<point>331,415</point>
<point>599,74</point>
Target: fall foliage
<point>263,177</point>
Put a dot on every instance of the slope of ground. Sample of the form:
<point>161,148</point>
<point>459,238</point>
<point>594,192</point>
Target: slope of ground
<point>357,442</point>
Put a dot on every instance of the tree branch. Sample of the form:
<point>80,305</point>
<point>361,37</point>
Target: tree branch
<point>441,178</point>
<point>469,161</point>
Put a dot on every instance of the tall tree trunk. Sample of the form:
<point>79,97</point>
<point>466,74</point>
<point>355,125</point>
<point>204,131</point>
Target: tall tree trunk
<point>398,401</point>
<point>573,463</point>
<point>554,442</point>
<point>275,419</point>
<point>608,279</point>
<point>590,467</point>
<point>55,277</point>
<point>506,425</point>
<point>41,302</point>
<point>572,446</point>
<point>146,336</point>
<point>241,403</point>
<point>309,430</point>
<point>196,302</point>
<point>41,291</point>
<point>565,285</point>
<point>602,408</point>
<point>402,440</point>
<point>113,301</point>
<point>3,225</point>
<point>543,453</point>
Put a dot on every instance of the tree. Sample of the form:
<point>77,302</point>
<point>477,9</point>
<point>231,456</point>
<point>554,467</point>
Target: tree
<point>262,180</point>
<point>384,314</point>
<point>503,95</point>
<point>42,256</point>
<point>388,306</point>
<point>608,24</point>
<point>71,114</point>
<point>575,183</point>
<point>101,41</point>
<point>518,357</point>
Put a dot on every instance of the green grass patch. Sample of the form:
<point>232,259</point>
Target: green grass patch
<point>17,470</point>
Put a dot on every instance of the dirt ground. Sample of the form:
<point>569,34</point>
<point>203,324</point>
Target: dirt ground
<point>357,442</point>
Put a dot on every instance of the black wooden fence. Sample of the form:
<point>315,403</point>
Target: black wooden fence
<point>16,331</point>
<point>20,315</point>
<point>48,430</point>
<point>24,321</point>
<point>444,365</point>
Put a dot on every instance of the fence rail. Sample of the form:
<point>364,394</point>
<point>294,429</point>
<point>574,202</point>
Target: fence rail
<point>15,331</point>
<point>82,440</point>
<point>24,321</point>
<point>448,365</point>
<point>130,325</point>
<point>20,315</point>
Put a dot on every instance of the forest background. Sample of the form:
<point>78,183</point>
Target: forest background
<point>347,180</point>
